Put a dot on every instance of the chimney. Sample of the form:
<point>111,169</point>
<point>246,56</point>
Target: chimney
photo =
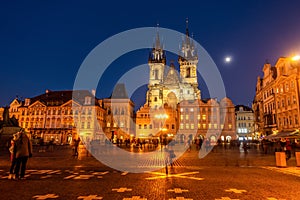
<point>27,102</point>
<point>94,92</point>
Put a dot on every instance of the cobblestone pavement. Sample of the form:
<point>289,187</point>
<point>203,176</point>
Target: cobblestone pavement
<point>223,174</point>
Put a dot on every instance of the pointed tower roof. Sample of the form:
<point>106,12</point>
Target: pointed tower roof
<point>157,54</point>
<point>157,40</point>
<point>188,50</point>
<point>187,27</point>
<point>119,92</point>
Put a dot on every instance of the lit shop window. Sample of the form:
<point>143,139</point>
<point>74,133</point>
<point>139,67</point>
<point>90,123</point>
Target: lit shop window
<point>181,126</point>
<point>187,126</point>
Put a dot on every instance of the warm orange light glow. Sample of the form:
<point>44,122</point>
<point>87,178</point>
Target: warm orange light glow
<point>295,58</point>
<point>161,116</point>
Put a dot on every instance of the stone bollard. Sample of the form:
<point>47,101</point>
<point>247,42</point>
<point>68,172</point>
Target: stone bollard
<point>280,159</point>
<point>297,154</point>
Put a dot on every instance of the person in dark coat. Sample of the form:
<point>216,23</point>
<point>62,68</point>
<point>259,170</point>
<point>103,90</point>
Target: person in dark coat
<point>23,151</point>
<point>288,148</point>
<point>13,157</point>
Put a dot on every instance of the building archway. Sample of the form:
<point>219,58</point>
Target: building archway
<point>228,138</point>
<point>213,139</point>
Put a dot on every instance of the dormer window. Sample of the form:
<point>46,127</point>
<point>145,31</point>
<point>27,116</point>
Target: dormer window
<point>27,102</point>
<point>87,100</point>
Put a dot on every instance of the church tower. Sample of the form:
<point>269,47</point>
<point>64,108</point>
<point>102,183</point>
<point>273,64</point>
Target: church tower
<point>188,60</point>
<point>157,63</point>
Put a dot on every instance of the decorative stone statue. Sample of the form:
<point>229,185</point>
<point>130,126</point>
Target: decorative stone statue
<point>9,122</point>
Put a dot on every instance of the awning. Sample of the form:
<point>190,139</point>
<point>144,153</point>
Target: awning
<point>284,134</point>
<point>295,134</point>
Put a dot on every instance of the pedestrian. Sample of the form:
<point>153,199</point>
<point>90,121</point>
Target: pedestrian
<point>76,144</point>
<point>207,144</point>
<point>12,156</point>
<point>23,151</point>
<point>245,147</point>
<point>282,144</point>
<point>288,148</point>
<point>51,145</point>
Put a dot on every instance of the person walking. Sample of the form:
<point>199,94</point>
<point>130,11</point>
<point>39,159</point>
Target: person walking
<point>76,144</point>
<point>23,151</point>
<point>12,157</point>
<point>288,148</point>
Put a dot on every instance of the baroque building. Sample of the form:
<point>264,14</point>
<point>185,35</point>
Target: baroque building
<point>174,107</point>
<point>276,102</point>
<point>59,115</point>
<point>62,116</point>
<point>245,122</point>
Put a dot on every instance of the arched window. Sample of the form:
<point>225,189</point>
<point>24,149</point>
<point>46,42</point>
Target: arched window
<point>188,72</point>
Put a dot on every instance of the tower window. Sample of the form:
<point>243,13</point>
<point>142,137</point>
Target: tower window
<point>155,99</point>
<point>156,74</point>
<point>188,72</point>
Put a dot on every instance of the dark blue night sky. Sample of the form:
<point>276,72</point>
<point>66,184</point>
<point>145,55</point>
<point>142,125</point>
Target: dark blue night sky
<point>43,43</point>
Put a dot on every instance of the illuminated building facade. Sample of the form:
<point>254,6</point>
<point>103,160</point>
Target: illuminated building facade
<point>56,116</point>
<point>276,103</point>
<point>119,116</point>
<point>244,122</point>
<point>1,113</point>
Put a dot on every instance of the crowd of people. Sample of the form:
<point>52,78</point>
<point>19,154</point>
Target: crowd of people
<point>21,148</point>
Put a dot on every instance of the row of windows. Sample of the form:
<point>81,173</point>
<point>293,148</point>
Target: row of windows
<point>145,115</point>
<point>286,102</point>
<point>244,118</point>
<point>244,125</point>
<point>145,126</point>
<point>282,88</point>
<point>199,117</point>
<point>285,121</point>
<point>280,103</point>
<point>186,110</point>
<point>212,118</point>
<point>119,112</point>
<point>57,119</point>
<point>243,130</point>
<point>57,112</point>
<point>204,126</point>
<point>47,125</point>
<point>119,124</point>
<point>85,125</point>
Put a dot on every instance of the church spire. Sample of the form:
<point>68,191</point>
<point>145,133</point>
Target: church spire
<point>157,40</point>
<point>187,27</point>
<point>157,54</point>
<point>188,50</point>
